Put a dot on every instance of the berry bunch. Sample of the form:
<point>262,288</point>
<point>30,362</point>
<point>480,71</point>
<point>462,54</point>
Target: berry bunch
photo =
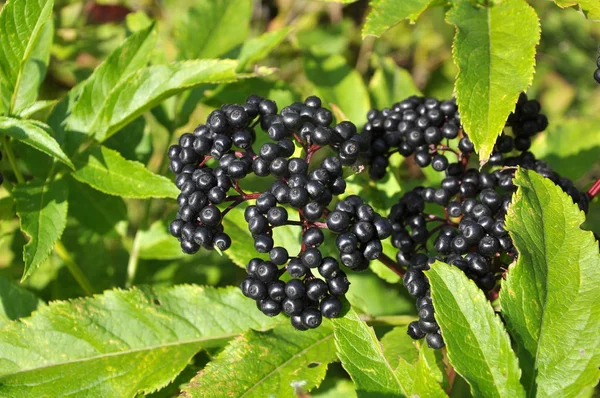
<point>415,126</point>
<point>426,127</point>
<point>211,163</point>
<point>360,231</point>
<point>463,218</point>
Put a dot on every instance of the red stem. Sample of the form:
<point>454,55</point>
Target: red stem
<point>391,264</point>
<point>594,189</point>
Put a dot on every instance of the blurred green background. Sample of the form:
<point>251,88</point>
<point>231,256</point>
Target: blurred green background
<point>322,52</point>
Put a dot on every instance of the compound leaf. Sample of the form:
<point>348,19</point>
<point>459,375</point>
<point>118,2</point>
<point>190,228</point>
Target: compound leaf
<point>107,171</point>
<point>121,343</point>
<point>35,134</point>
<point>387,13</point>
<point>279,363</point>
<point>21,26</point>
<point>478,346</point>
<point>131,56</point>
<point>494,50</point>
<point>150,86</point>
<point>550,298</point>
<point>42,208</point>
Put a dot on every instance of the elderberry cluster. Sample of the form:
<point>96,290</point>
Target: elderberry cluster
<point>461,222</point>
<point>304,157</point>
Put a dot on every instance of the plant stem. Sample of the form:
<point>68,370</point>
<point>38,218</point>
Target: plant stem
<point>594,189</point>
<point>13,161</point>
<point>391,320</point>
<point>132,265</point>
<point>391,264</point>
<point>77,273</point>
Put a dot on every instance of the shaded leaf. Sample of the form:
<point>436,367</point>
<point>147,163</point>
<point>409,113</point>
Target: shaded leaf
<point>477,344</point>
<point>157,243</point>
<point>107,171</point>
<point>390,83</point>
<point>387,13</point>
<point>93,209</point>
<point>42,208</point>
<point>21,25</point>
<point>35,134</point>
<point>494,50</point>
<point>15,302</point>
<point>280,363</point>
<point>570,146</point>
<point>550,298</point>
<point>337,83</point>
<point>120,343</point>
<point>212,28</point>
<point>257,48</point>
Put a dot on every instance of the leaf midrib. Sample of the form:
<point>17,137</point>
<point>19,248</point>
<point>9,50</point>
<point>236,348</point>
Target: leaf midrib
<point>124,352</point>
<point>282,365</point>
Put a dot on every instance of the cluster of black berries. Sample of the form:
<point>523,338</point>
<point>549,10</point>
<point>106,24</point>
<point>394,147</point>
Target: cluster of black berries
<point>426,127</point>
<point>416,126</point>
<point>210,165</point>
<point>464,217</point>
<point>360,231</point>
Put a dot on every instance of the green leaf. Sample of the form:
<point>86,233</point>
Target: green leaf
<point>570,146</point>
<point>387,13</point>
<point>35,134</point>
<point>93,209</point>
<point>591,8</point>
<point>42,208</point>
<point>258,48</point>
<point>549,295</point>
<point>157,243</point>
<point>34,71</point>
<point>107,171</point>
<point>340,1</point>
<point>398,344</point>
<point>121,343</point>
<point>337,83</point>
<point>375,297</point>
<point>213,28</point>
<point>36,107</point>
<point>15,302</point>
<point>131,56</point>
<point>418,368</point>
<point>362,357</point>
<point>281,363</point>
<point>494,50</point>
<point>150,86</point>
<point>7,208</point>
<point>390,83</point>
<point>21,25</point>
<point>477,344</point>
